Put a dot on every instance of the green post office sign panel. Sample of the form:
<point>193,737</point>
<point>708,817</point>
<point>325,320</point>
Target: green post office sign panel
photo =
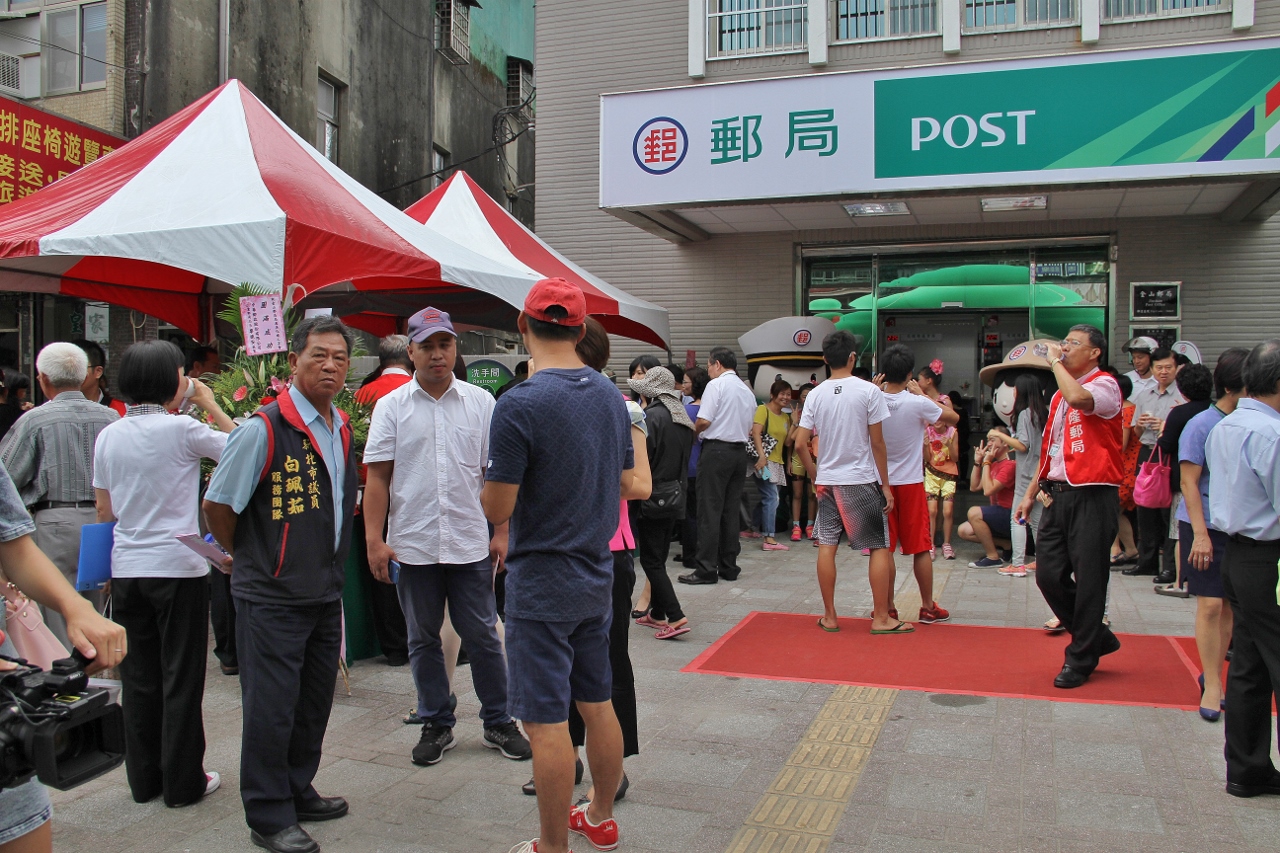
<point>1198,108</point>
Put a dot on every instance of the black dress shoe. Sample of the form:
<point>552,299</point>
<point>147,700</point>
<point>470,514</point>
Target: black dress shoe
<point>1164,577</point>
<point>1070,678</point>
<point>397,658</point>
<point>530,789</point>
<point>326,808</point>
<point>1236,789</point>
<point>229,669</point>
<point>1110,645</point>
<point>1138,570</point>
<point>730,576</point>
<point>291,839</point>
<point>695,578</point>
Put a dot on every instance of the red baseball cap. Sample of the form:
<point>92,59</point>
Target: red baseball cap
<point>556,291</point>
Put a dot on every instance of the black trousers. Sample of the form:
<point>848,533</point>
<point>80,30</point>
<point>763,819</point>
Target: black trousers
<point>163,685</point>
<point>721,469</point>
<point>1073,566</point>
<point>689,526</point>
<point>222,613</point>
<point>624,677</point>
<point>388,618</point>
<point>1249,581</point>
<point>288,667</point>
<point>1155,548</point>
<point>653,539</point>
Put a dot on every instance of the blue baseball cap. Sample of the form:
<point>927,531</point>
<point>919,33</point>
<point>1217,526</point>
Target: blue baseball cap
<point>427,322</point>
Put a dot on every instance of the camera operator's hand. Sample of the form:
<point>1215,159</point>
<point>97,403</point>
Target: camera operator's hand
<point>6,665</point>
<point>99,639</point>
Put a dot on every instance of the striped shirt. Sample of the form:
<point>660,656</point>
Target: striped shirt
<point>49,451</point>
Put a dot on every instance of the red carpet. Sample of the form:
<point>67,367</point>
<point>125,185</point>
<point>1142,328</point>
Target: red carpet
<point>1148,670</point>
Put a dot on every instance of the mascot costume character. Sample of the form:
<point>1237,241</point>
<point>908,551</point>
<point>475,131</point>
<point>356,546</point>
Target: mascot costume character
<point>787,348</point>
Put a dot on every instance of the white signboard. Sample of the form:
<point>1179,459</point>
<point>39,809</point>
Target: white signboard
<point>1191,111</point>
<point>97,323</point>
<point>263,321</point>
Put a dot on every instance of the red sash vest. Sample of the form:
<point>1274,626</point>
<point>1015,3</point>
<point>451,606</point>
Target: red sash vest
<point>1090,444</point>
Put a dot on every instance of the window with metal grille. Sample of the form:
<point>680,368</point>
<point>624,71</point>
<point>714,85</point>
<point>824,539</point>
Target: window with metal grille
<point>75,48</point>
<point>453,30</point>
<point>439,162</point>
<point>1048,11</point>
<point>990,14</point>
<point>519,81</point>
<point>744,27</point>
<point>864,19</point>
<point>1121,9</point>
<point>327,119</point>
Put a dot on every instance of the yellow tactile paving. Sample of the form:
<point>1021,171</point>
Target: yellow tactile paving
<point>800,811</point>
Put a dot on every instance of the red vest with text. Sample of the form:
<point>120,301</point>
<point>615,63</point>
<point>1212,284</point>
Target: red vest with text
<point>1090,444</point>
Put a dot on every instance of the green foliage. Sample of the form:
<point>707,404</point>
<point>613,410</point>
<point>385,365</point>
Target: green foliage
<point>248,382</point>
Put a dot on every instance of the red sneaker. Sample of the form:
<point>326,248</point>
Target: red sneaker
<point>795,533</point>
<point>602,836</point>
<point>929,615</point>
<point>808,531</point>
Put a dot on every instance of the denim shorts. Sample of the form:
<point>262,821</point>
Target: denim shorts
<point>23,809</point>
<point>550,664</point>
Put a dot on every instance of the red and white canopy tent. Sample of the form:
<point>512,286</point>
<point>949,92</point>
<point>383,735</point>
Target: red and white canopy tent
<point>461,211</point>
<point>222,193</point>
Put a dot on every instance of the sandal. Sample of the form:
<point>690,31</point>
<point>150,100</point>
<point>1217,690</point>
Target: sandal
<point>834,630</point>
<point>670,632</point>
<point>1054,626</point>
<point>1123,559</point>
<point>948,553</point>
<point>649,622</point>
<point>900,628</point>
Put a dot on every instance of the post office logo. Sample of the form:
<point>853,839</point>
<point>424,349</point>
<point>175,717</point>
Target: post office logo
<point>802,338</point>
<point>660,145</point>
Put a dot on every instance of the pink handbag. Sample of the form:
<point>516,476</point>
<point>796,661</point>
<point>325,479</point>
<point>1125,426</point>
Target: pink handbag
<point>25,626</point>
<point>1151,488</point>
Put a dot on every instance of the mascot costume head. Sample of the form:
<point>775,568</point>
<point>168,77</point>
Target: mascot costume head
<point>1025,370</point>
<point>787,348</point>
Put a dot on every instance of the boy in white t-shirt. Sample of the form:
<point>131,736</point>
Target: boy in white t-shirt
<point>852,483</point>
<point>910,413</point>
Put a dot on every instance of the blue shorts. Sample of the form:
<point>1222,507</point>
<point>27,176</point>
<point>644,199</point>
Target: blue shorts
<point>999,520</point>
<point>550,664</point>
<point>23,809</point>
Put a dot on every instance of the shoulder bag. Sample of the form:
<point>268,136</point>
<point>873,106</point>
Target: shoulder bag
<point>1151,488</point>
<point>25,626</point>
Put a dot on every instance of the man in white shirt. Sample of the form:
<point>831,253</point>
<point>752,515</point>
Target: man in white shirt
<point>910,412</point>
<point>1139,350</point>
<point>854,495</point>
<point>1152,404</point>
<point>426,451</point>
<point>724,423</point>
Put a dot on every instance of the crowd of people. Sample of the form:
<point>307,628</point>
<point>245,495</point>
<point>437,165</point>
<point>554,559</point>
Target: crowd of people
<point>471,546</point>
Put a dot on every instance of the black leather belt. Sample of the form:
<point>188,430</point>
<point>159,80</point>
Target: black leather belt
<point>1249,540</point>
<point>36,507</point>
<point>742,444</point>
<point>1052,486</point>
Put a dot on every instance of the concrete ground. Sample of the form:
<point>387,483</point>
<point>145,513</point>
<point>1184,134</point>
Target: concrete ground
<point>737,765</point>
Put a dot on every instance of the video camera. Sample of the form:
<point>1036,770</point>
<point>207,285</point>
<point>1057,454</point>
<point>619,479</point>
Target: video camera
<point>55,726</point>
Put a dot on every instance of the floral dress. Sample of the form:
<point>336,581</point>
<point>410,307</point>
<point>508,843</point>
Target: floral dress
<point>1129,461</point>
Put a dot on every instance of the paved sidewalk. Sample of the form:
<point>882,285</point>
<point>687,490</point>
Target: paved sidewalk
<point>937,772</point>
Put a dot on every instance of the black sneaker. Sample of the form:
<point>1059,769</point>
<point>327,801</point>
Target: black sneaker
<point>507,739</point>
<point>432,745</point>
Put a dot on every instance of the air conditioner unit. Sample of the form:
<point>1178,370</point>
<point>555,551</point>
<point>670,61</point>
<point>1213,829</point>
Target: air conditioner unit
<point>10,74</point>
<point>453,29</point>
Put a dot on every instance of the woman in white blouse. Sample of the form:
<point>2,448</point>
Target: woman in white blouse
<point>146,476</point>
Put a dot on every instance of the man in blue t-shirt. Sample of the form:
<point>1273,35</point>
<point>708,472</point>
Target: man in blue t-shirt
<point>562,444</point>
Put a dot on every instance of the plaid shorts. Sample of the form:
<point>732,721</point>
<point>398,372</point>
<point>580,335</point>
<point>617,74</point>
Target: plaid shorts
<point>857,511</point>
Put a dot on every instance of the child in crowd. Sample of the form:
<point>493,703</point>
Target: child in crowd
<point>941,473</point>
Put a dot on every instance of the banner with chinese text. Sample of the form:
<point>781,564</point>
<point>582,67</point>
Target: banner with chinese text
<point>1191,111</point>
<point>37,148</point>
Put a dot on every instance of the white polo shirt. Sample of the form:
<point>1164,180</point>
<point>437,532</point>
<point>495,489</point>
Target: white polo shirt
<point>439,448</point>
<point>730,407</point>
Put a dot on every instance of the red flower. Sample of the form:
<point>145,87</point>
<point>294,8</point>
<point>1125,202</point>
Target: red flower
<point>241,393</point>
<point>265,400</point>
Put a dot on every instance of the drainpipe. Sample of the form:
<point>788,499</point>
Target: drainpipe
<point>224,41</point>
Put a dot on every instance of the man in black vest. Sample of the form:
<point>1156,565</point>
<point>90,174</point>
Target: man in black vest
<point>281,502</point>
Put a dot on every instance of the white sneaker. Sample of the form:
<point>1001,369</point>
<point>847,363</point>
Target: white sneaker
<point>213,781</point>
<point>527,847</point>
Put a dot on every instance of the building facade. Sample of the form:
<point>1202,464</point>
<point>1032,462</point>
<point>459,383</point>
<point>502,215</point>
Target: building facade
<point>958,175</point>
<point>398,93</point>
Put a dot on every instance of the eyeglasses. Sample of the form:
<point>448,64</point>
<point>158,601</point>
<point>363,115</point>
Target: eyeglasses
<point>1069,344</point>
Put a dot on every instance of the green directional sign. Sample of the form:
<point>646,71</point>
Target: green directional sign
<point>1203,108</point>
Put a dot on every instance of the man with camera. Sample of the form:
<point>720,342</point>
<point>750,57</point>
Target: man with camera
<point>24,808</point>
